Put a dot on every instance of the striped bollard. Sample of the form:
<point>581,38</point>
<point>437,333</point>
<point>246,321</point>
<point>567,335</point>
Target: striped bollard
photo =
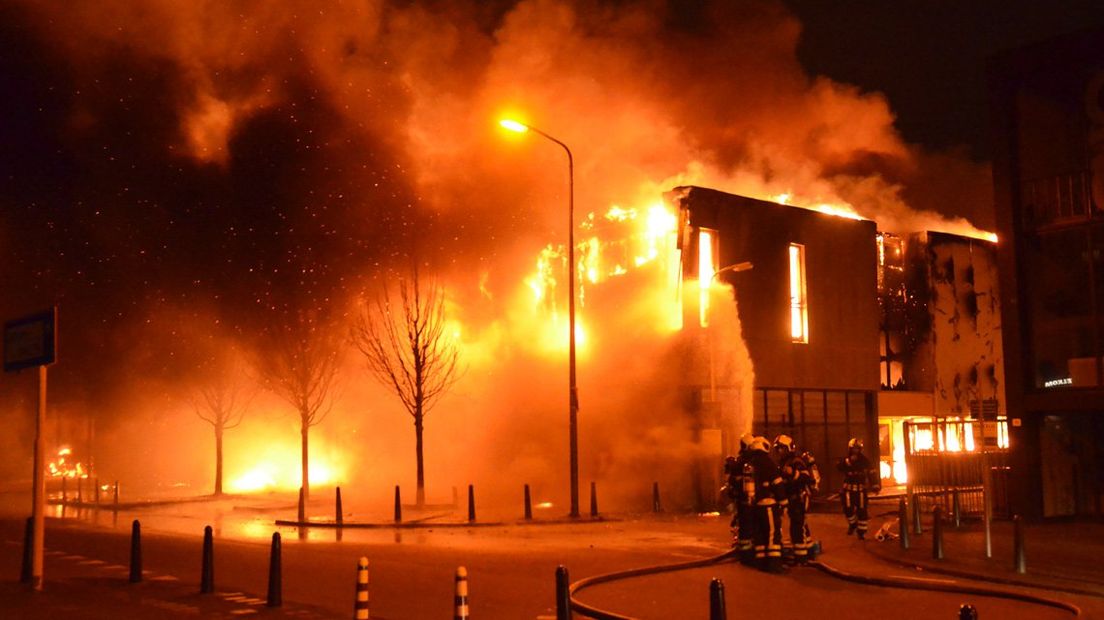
<point>461,594</point>
<point>563,594</point>
<point>717,600</point>
<point>361,607</point>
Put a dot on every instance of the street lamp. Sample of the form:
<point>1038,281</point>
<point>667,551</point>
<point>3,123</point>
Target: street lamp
<point>573,392</point>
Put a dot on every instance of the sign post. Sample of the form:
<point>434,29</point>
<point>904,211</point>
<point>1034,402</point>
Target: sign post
<point>32,341</point>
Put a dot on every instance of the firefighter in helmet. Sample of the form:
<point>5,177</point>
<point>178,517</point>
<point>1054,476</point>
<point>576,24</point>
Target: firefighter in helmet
<point>740,489</point>
<point>769,499</point>
<point>797,483</point>
<point>859,478</point>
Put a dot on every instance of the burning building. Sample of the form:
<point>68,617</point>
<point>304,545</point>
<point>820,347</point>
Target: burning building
<point>849,333</point>
<point>1047,109</point>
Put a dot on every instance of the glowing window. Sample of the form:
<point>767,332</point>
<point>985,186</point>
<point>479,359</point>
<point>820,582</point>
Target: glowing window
<point>707,268</point>
<point>799,304</point>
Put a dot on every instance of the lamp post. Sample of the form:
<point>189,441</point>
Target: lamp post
<point>573,392</point>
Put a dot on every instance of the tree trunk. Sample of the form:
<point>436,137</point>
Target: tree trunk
<point>218,461</point>
<point>418,450</point>
<point>306,460</point>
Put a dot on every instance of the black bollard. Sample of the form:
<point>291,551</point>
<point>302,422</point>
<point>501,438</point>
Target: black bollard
<point>967,612</point>
<point>302,514</point>
<point>937,533</point>
<point>916,527</point>
<point>528,505</point>
<point>337,507</point>
<point>207,574</point>
<point>135,552</point>
<point>275,586</point>
<point>64,490</point>
<point>593,500</point>
<point>25,576</point>
<point>80,490</point>
<point>398,505</point>
<point>563,594</point>
<point>902,520</point>
<point>656,506</point>
<point>96,491</point>
<point>1019,557</point>
<point>956,506</point>
<point>717,600</point>
<point>115,500</point>
<point>471,503</point>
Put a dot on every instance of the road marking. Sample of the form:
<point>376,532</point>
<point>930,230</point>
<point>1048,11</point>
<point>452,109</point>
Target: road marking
<point>74,557</point>
<point>243,612</point>
<point>164,578</point>
<point>92,563</point>
<point>254,601</point>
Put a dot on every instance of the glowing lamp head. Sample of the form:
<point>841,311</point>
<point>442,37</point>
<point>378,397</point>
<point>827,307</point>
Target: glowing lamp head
<point>513,125</point>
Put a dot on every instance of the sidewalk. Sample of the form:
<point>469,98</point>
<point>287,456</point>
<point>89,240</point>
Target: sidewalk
<point>1063,557</point>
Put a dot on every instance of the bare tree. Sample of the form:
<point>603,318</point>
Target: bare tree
<point>222,402</point>
<point>299,364</point>
<point>408,351</point>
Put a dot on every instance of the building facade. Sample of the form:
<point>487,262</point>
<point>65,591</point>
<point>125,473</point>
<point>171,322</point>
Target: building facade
<point>1047,113</point>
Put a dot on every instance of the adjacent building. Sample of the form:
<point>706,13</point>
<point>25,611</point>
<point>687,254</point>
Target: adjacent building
<point>1047,113</point>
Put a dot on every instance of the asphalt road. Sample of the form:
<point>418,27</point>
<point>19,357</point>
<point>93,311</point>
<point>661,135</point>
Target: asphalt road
<point>511,568</point>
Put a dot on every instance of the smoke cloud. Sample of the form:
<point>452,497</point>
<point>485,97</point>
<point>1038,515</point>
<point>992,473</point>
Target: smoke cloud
<point>182,175</point>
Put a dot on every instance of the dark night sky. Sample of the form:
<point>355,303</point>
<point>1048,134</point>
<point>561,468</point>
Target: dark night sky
<point>103,210</point>
<point>928,56</point>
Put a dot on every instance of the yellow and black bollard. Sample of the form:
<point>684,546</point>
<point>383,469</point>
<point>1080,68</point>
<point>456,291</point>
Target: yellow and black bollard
<point>275,571</point>
<point>207,574</point>
<point>717,600</point>
<point>135,552</point>
<point>398,505</point>
<point>528,505</point>
<point>461,594</point>
<point>471,503</point>
<point>563,594</point>
<point>360,609</point>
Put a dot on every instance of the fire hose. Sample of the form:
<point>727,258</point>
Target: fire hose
<point>886,582</point>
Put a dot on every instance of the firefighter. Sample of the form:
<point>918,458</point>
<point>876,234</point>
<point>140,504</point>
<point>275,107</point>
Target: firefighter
<point>740,489</point>
<point>769,499</point>
<point>814,488</point>
<point>858,477</point>
<point>797,483</point>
